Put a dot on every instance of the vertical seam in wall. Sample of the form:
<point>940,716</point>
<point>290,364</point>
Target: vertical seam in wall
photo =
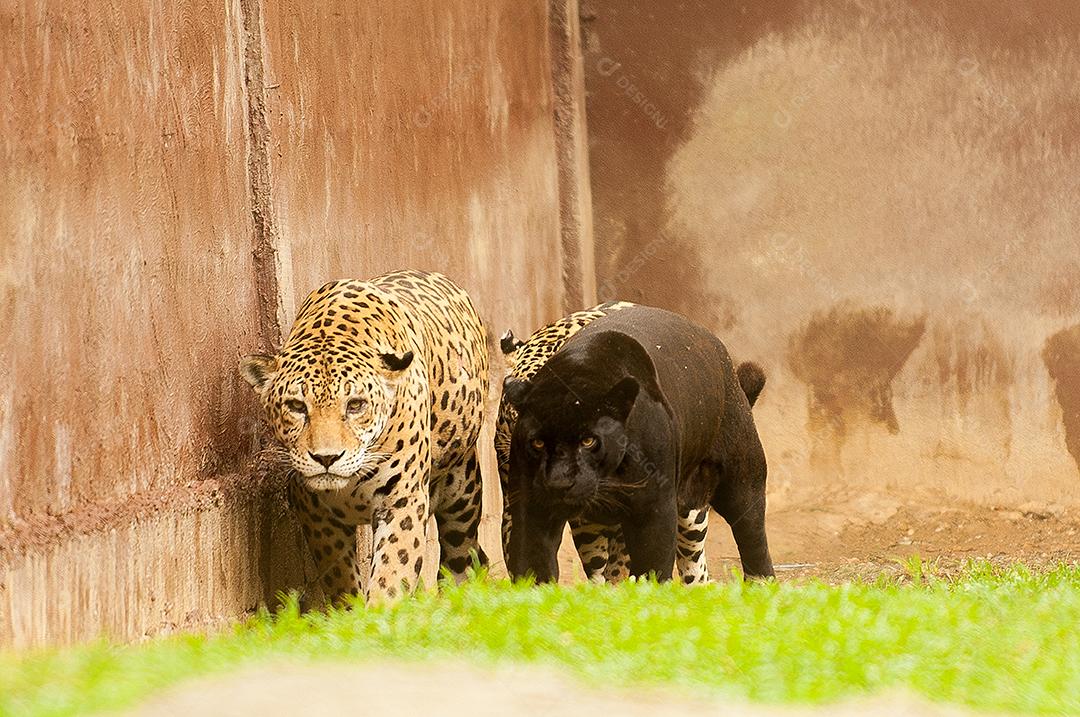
<point>265,239</point>
<point>575,197</point>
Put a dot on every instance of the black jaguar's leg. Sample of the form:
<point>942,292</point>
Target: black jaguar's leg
<point>650,540</point>
<point>458,519</point>
<point>743,507</point>
<point>534,545</point>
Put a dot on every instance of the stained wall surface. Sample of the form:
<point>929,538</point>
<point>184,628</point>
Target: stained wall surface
<point>875,199</point>
<point>175,177</point>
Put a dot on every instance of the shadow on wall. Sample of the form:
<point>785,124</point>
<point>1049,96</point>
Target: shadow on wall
<point>849,357</point>
<point>646,67</point>
<point>828,158</point>
<point>1062,357</point>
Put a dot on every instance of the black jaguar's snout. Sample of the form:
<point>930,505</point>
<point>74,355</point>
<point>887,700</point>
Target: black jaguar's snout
<point>563,490</point>
<point>558,485</point>
<point>325,459</point>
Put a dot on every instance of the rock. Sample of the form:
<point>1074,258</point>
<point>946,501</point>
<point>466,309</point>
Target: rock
<point>1041,511</point>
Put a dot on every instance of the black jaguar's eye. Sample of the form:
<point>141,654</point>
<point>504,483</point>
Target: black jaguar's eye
<point>296,406</point>
<point>588,442</point>
<point>537,444</point>
<point>356,406</point>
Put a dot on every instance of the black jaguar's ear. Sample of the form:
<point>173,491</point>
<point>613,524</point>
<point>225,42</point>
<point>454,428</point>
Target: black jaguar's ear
<point>397,362</point>
<point>620,399</point>
<point>258,370</point>
<point>515,390</point>
<point>510,343</point>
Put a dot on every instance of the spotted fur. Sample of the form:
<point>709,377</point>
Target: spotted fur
<point>600,547</point>
<point>690,547</point>
<point>377,397</point>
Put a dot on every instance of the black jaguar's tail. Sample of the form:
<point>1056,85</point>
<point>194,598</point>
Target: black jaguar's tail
<point>751,379</point>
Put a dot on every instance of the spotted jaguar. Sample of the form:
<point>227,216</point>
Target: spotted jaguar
<point>377,398</point>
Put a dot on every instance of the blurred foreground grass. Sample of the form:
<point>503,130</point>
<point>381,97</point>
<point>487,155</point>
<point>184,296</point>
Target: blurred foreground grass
<point>989,638</point>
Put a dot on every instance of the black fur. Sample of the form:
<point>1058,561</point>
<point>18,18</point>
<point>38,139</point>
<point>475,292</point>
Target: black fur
<point>752,380</point>
<point>509,343</point>
<point>639,416</point>
<point>397,362</point>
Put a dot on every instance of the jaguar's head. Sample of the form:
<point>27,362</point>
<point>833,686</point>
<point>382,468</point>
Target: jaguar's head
<point>328,409</point>
<point>568,443</point>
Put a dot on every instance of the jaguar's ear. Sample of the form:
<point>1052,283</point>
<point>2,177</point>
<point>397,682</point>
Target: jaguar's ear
<point>510,343</point>
<point>258,370</point>
<point>620,399</point>
<point>515,390</point>
<point>397,362</point>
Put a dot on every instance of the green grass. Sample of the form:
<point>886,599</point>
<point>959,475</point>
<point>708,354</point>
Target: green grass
<point>990,638</point>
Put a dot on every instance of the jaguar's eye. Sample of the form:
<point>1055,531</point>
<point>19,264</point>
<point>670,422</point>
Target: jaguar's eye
<point>296,406</point>
<point>588,442</point>
<point>356,406</point>
<point>537,444</point>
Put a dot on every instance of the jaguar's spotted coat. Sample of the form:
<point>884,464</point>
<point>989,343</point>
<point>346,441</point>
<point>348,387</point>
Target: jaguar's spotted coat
<point>378,396</point>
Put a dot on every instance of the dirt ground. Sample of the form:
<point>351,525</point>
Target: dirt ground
<point>457,690</point>
<point>844,533</point>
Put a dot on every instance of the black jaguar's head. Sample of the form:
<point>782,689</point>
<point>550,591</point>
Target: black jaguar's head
<point>569,440</point>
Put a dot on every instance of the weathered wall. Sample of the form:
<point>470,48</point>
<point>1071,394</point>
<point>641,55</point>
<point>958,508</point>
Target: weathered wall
<point>175,176</point>
<point>874,198</point>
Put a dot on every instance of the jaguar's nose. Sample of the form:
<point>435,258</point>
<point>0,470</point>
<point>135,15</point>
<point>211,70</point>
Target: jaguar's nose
<point>325,459</point>
<point>558,485</point>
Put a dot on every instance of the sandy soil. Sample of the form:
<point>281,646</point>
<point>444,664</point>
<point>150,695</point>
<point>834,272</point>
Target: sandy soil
<point>848,532</point>
<point>456,690</point>
<point>839,534</point>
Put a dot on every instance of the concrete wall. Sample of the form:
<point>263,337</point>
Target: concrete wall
<point>876,199</point>
<point>175,177</point>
